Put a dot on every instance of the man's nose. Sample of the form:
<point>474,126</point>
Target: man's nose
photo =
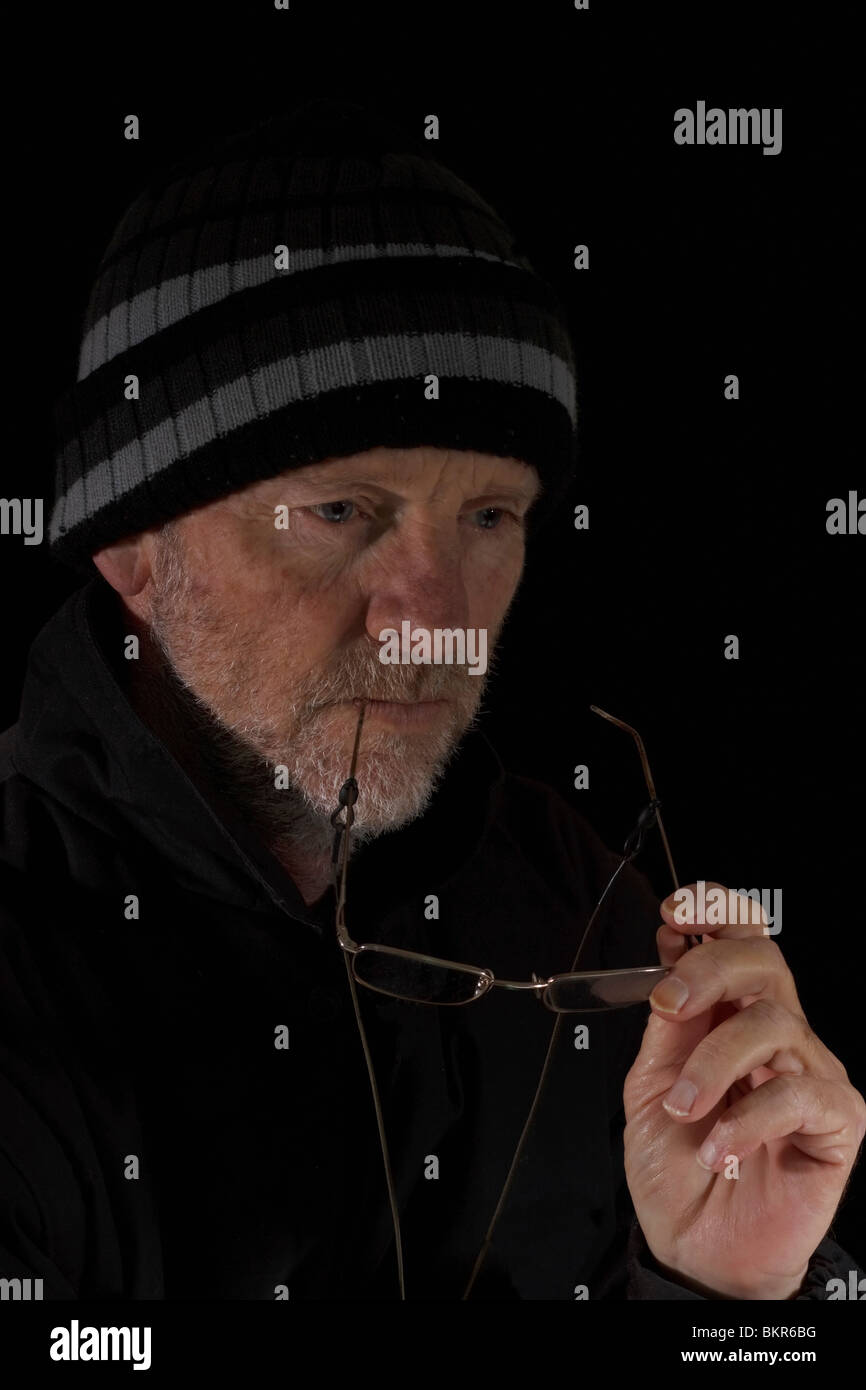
<point>419,579</point>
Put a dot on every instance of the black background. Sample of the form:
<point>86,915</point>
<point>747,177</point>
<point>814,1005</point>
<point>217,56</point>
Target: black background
<point>707,516</point>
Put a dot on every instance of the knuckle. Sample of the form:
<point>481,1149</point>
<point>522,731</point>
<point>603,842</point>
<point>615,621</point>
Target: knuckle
<point>841,1071</point>
<point>707,961</point>
<point>859,1116</point>
<point>765,946</point>
<point>770,1014</point>
<point>747,909</point>
<point>634,1086</point>
<point>827,1101</point>
<point>798,1026</point>
<point>734,1128</point>
<point>810,1041</point>
<point>710,1058</point>
<point>773,960</point>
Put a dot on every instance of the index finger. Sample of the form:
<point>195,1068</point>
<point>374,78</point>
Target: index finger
<point>711,909</point>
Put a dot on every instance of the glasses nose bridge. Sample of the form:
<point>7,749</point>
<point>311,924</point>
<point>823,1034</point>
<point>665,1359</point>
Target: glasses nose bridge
<point>537,984</point>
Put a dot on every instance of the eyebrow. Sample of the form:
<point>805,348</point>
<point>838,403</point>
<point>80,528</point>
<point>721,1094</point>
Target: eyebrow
<point>331,478</point>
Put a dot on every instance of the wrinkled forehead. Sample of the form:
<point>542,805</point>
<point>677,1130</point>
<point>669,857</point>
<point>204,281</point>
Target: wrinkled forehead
<point>420,473</point>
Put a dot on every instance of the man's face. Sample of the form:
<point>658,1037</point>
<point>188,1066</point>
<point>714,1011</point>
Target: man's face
<point>276,628</point>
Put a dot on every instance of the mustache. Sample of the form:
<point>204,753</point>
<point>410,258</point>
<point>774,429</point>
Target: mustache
<point>359,674</point>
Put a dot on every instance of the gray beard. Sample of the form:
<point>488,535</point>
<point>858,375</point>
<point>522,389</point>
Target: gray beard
<point>224,765</point>
<point>293,821</point>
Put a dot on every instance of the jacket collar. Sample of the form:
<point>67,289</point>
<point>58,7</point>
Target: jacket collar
<point>80,739</point>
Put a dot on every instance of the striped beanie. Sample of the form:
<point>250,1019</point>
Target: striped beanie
<point>284,299</point>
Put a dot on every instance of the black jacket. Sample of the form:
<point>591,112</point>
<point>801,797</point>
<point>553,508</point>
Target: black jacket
<point>156,1144</point>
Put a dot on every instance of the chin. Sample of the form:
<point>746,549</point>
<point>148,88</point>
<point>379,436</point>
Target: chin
<point>387,796</point>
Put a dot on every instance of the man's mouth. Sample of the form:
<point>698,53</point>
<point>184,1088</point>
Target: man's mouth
<point>402,712</point>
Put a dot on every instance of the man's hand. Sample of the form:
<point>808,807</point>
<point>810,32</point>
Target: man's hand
<point>735,1066</point>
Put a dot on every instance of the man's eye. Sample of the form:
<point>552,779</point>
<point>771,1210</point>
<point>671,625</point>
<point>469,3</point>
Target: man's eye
<point>490,517</point>
<point>333,511</point>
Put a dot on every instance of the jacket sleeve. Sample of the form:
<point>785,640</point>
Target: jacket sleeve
<point>42,1225</point>
<point>28,1272</point>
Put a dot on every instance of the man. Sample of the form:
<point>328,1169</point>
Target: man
<point>322,395</point>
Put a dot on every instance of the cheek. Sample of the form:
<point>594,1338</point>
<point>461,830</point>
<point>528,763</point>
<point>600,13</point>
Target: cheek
<point>493,575</point>
<point>305,608</point>
<point>274,580</point>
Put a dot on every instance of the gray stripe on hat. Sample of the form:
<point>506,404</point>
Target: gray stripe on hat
<point>147,313</point>
<point>365,362</point>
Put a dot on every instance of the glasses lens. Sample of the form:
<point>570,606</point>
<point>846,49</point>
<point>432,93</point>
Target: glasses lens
<point>423,979</point>
<point>611,989</point>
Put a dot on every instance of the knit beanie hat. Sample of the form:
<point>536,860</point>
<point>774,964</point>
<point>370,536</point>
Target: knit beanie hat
<point>285,299</point>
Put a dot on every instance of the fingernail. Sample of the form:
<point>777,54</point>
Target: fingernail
<point>681,1097</point>
<point>670,995</point>
<point>676,905</point>
<point>709,1153</point>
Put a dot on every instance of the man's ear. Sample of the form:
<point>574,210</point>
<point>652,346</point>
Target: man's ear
<point>126,565</point>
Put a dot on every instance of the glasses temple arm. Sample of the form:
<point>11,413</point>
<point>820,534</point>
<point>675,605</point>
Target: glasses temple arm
<point>650,785</point>
<point>348,797</point>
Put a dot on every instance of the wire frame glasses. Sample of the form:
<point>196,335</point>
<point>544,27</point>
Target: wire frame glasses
<point>424,979</point>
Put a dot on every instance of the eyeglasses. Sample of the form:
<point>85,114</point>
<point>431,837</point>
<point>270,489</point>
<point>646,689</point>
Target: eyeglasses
<point>422,979</point>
